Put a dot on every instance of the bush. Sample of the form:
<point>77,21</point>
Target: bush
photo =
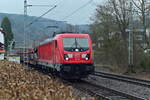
<point>145,62</point>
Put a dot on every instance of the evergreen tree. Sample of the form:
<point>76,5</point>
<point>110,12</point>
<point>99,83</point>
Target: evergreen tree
<point>8,36</point>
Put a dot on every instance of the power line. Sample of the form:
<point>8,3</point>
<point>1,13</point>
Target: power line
<point>44,13</point>
<point>41,16</point>
<point>59,2</point>
<point>39,5</point>
<point>83,6</point>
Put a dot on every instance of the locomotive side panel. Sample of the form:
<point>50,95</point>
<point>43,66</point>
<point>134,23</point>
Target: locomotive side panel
<point>59,52</point>
<point>45,52</point>
<point>49,55</point>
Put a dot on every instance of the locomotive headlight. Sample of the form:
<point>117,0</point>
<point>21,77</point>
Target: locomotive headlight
<point>86,56</point>
<point>66,58</point>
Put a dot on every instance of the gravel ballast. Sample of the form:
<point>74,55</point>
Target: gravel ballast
<point>129,88</point>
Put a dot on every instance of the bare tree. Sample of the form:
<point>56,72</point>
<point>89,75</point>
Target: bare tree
<point>110,24</point>
<point>143,10</point>
<point>112,33</point>
<point>122,15</point>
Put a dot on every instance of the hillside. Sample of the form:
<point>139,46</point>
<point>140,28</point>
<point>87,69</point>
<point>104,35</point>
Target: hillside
<point>41,29</point>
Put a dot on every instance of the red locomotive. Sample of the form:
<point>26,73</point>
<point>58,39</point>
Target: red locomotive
<point>68,54</point>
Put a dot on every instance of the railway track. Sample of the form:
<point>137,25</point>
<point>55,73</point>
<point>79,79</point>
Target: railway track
<point>103,93</point>
<point>135,81</point>
<point>100,92</point>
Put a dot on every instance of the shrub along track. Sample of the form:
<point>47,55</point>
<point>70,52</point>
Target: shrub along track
<point>20,83</point>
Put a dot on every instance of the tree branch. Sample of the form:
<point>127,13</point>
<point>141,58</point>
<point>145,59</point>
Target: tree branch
<point>137,5</point>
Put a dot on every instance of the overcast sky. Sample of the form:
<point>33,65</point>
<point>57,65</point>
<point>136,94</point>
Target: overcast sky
<point>63,9</point>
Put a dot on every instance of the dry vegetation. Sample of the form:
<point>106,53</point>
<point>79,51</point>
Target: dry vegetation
<point>16,83</point>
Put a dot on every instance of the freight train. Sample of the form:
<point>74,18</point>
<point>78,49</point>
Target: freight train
<point>69,55</point>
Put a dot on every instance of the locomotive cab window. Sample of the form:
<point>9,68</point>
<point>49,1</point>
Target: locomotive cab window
<point>75,44</point>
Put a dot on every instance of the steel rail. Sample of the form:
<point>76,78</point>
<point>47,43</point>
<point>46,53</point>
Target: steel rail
<point>145,83</point>
<point>79,87</point>
<point>92,93</point>
<point>118,93</point>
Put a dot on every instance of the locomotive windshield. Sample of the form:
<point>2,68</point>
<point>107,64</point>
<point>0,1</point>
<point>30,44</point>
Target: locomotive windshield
<point>76,44</point>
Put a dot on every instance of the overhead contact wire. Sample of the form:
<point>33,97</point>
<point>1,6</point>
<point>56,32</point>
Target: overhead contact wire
<point>83,6</point>
<point>41,15</point>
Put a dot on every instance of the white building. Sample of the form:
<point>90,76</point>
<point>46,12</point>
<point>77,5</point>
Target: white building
<point>1,37</point>
<point>2,51</point>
